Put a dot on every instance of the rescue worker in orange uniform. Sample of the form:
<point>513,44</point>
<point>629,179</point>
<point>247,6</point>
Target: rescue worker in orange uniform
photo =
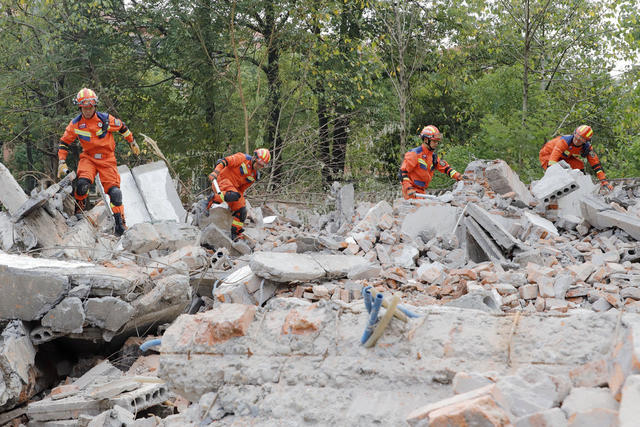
<point>233,175</point>
<point>95,130</point>
<point>419,164</point>
<point>566,147</point>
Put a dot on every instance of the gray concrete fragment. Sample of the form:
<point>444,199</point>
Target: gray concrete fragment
<point>493,227</point>
<point>17,370</point>
<point>135,210</point>
<point>553,417</point>
<point>364,271</point>
<point>113,388</point>
<point>344,201</point>
<point>109,281</point>
<point>7,231</point>
<point>435,219</point>
<point>630,402</point>
<point>537,227</point>
<point>141,238</point>
<point>483,301</point>
<point>373,216</point>
<point>63,409</point>
<point>102,371</point>
<point>12,196</point>
<point>337,266</point>
<point>47,229</point>
<point>31,287</point>
<point>158,192</point>
<point>40,199</point>
<point>68,316</point>
<point>570,204</point>
<point>148,395</point>
<point>109,313</point>
<point>286,267</point>
<point>215,237</point>
<point>590,208</point>
<point>175,235</point>
<point>503,179</point>
<point>482,248</point>
<point>583,399</point>
<point>115,417</point>
<point>464,382</point>
<point>40,335</point>
<point>528,394</point>
<point>557,182</point>
<point>320,363</point>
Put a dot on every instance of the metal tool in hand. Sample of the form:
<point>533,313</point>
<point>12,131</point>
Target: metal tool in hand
<point>213,195</point>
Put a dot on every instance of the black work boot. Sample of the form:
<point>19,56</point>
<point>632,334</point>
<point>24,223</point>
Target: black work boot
<point>236,234</point>
<point>120,224</point>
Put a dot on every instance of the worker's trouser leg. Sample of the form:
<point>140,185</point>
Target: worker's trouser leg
<point>409,191</point>
<point>239,212</point>
<point>237,205</point>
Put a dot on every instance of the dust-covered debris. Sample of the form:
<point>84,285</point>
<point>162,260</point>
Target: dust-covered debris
<point>522,304</point>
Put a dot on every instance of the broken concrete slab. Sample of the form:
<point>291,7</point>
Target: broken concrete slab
<point>430,220</point>
<point>12,196</point>
<point>503,180</point>
<point>66,317</point>
<point>481,248</point>
<point>373,216</point>
<point>46,229</point>
<point>40,199</point>
<point>109,313</point>
<point>32,286</point>
<point>557,182</point>
<point>286,267</point>
<point>158,192</point>
<point>17,366</point>
<point>536,227</point>
<point>337,266</point>
<point>141,238</point>
<point>603,216</point>
<point>135,209</point>
<point>63,409</point>
<point>494,228</point>
<point>198,357</point>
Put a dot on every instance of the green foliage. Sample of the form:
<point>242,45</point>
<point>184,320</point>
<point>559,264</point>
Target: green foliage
<point>193,74</point>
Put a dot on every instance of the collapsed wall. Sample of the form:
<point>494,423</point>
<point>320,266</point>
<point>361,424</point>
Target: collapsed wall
<point>525,300</point>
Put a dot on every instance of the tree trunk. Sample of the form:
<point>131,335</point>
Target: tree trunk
<point>324,143</point>
<point>274,85</point>
<point>340,139</point>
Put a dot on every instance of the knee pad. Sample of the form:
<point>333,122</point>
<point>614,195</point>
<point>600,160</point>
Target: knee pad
<point>240,214</point>
<point>116,196</point>
<point>82,186</point>
<point>231,196</point>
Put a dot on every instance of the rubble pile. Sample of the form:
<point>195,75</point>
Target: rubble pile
<point>520,307</point>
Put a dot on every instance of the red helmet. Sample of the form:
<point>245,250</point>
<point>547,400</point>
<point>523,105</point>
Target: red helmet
<point>431,132</point>
<point>86,97</point>
<point>262,154</point>
<point>584,131</point>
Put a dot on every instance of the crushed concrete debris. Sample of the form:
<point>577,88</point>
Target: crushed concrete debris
<point>522,300</point>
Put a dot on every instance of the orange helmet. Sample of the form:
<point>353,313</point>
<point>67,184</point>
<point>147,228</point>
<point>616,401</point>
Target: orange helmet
<point>262,154</point>
<point>584,131</point>
<point>86,97</point>
<point>431,132</point>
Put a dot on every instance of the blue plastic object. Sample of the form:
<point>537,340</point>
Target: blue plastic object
<point>152,343</point>
<point>373,318</point>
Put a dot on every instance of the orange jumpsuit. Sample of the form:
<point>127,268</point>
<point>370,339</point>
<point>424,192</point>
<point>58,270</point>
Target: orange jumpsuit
<point>235,174</point>
<point>562,148</point>
<point>98,150</point>
<point>417,169</point>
